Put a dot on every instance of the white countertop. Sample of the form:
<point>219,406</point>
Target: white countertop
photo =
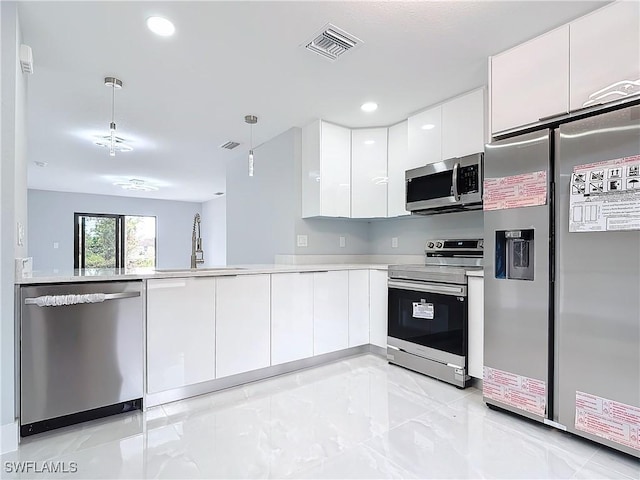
<point>475,273</point>
<point>111,274</point>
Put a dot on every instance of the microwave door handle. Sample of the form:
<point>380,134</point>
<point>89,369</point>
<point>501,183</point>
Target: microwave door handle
<point>456,195</point>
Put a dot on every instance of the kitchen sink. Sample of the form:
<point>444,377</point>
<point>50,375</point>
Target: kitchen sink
<point>202,269</point>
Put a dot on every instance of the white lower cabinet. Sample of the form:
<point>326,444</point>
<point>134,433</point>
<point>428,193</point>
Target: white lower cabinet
<point>291,317</point>
<point>330,311</point>
<point>180,332</point>
<point>475,360</point>
<point>358,307</point>
<point>378,307</point>
<point>243,327</point>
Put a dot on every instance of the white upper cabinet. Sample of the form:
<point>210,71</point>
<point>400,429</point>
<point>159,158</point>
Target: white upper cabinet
<point>326,170</point>
<point>243,326</point>
<point>291,317</point>
<point>463,125</point>
<point>425,137</point>
<point>176,308</point>
<point>605,54</point>
<point>531,81</point>
<point>397,164</point>
<point>369,173</point>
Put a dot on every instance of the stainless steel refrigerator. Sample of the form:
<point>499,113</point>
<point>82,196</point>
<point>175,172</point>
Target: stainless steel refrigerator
<point>562,277</point>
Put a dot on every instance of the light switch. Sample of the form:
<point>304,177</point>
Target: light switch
<point>302,240</point>
<point>394,242</point>
<point>343,242</point>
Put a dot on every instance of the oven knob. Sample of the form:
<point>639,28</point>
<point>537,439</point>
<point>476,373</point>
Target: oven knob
<point>480,243</point>
<point>439,244</point>
<point>430,245</point>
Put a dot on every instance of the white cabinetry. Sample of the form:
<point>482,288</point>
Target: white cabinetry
<point>242,324</point>
<point>326,170</point>
<point>425,137</point>
<point>378,301</point>
<point>358,307</point>
<point>476,327</point>
<point>605,54</point>
<point>180,332</point>
<point>531,81</point>
<point>291,317</point>
<point>463,125</point>
<point>369,173</point>
<point>397,164</point>
<point>330,311</point>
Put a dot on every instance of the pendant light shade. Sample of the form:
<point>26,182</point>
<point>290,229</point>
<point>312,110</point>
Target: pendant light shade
<point>251,120</point>
<point>111,140</point>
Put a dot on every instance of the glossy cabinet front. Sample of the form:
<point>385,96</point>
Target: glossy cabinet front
<point>369,173</point>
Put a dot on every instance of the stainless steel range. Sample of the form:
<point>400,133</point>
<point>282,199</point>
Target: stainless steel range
<point>428,310</point>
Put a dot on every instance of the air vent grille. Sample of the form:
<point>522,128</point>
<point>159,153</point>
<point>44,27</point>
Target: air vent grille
<point>229,145</point>
<point>332,42</point>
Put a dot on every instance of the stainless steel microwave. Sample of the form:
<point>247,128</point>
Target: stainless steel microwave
<point>452,185</point>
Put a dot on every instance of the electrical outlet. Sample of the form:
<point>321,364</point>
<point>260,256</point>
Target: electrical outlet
<point>20,231</point>
<point>343,242</point>
<point>56,244</point>
<point>394,242</point>
<point>302,240</point>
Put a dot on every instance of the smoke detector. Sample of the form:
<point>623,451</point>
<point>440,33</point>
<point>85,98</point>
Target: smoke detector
<point>331,42</point>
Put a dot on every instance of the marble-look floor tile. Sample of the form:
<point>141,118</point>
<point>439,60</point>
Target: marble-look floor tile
<point>618,462</point>
<point>595,471</point>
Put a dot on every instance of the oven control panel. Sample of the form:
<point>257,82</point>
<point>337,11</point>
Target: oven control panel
<point>454,245</point>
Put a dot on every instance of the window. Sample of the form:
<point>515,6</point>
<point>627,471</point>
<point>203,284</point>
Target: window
<point>114,241</point>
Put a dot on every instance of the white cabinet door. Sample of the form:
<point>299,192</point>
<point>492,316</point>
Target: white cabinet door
<point>369,173</point>
<point>378,301</point>
<point>425,137</point>
<point>358,307</point>
<point>397,164</point>
<point>243,329</point>
<point>326,170</point>
<point>463,120</point>
<point>180,332</point>
<point>476,327</point>
<point>530,81</point>
<point>605,54</point>
<point>330,311</point>
<point>291,317</point>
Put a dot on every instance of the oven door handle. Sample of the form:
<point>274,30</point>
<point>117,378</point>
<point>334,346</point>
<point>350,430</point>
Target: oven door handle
<point>453,290</point>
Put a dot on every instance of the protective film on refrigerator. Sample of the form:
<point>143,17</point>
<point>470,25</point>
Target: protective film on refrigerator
<point>605,196</point>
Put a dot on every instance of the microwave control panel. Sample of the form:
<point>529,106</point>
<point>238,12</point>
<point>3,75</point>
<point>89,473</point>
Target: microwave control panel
<point>468,179</point>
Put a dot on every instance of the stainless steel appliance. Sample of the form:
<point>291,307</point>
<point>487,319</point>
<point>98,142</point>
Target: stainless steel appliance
<point>81,352</point>
<point>562,278</point>
<point>427,321</point>
<point>452,185</point>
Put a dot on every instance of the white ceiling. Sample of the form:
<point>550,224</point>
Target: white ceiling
<point>186,95</point>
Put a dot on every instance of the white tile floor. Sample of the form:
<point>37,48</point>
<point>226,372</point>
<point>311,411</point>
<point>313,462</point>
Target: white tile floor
<point>357,418</point>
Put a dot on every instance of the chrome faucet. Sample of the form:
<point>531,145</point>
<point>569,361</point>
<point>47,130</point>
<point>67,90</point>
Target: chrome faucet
<point>197,255</point>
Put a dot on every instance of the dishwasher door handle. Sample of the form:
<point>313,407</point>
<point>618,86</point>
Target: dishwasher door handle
<point>76,299</point>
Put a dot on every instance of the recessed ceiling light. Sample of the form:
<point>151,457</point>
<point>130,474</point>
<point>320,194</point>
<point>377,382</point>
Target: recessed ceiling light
<point>369,107</point>
<point>160,26</point>
<point>428,126</point>
<point>369,142</point>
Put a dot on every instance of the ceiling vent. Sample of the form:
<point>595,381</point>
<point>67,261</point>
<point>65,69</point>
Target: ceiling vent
<point>331,42</point>
<point>229,145</point>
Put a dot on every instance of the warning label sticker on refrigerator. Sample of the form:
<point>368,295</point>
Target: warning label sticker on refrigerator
<point>423,310</point>
<point>525,393</point>
<point>615,421</point>
<point>526,190</point>
<point>605,196</point>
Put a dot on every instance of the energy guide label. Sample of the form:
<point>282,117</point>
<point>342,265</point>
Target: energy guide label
<point>423,310</point>
<point>524,393</point>
<point>605,196</point>
<point>615,421</point>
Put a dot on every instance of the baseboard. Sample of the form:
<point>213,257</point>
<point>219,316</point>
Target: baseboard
<point>8,437</point>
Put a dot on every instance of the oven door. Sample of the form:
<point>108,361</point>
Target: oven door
<point>429,320</point>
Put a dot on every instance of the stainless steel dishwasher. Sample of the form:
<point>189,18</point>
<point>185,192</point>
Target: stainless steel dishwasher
<point>81,352</point>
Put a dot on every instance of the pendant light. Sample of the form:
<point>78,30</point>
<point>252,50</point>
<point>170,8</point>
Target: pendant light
<point>251,120</point>
<point>113,83</point>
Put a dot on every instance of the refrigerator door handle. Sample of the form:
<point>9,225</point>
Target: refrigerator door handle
<point>454,187</point>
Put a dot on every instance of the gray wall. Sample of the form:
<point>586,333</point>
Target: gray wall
<point>214,231</point>
<point>412,231</point>
<point>51,220</point>
<point>13,192</point>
